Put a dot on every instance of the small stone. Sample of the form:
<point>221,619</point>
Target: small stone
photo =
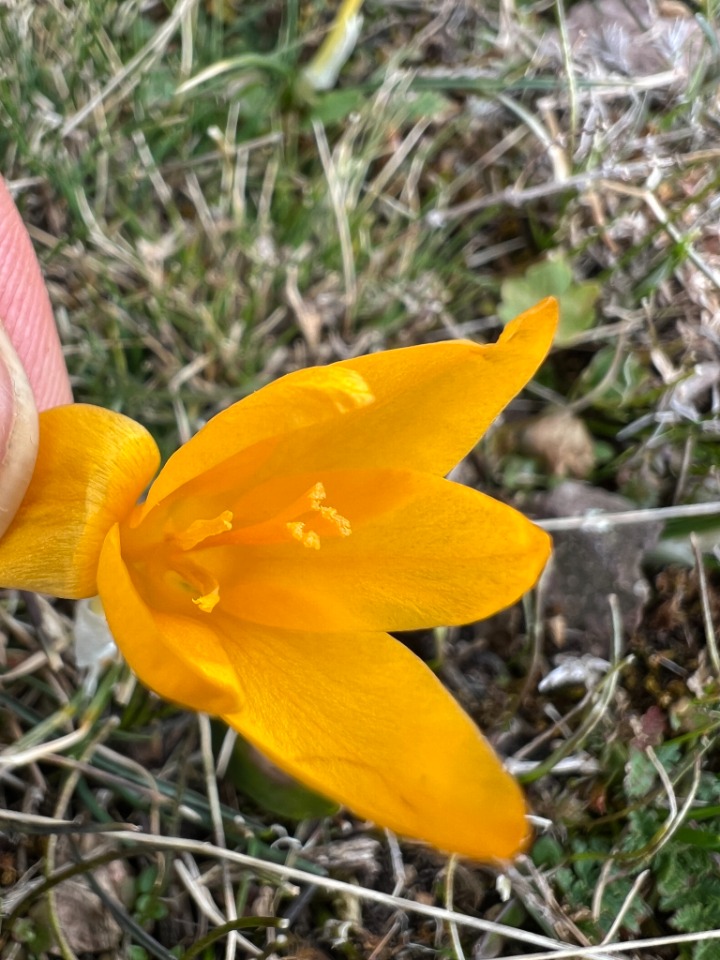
<point>590,564</point>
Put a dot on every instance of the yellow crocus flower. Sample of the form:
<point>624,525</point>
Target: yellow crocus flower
<point>273,551</point>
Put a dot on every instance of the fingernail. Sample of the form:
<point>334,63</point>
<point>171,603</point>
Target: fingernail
<point>18,431</point>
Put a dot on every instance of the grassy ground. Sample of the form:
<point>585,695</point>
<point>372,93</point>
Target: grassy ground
<point>207,221</point>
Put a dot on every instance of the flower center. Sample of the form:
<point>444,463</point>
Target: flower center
<point>306,521</point>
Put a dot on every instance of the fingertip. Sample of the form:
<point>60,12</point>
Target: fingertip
<point>18,432</point>
<point>26,312</point>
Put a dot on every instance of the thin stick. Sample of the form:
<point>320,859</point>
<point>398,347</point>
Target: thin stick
<point>449,899</point>
<point>576,953</point>
<point>213,796</point>
<point>519,196</point>
<point>337,199</point>
<point>569,72</point>
<point>203,849</point>
<point>627,902</point>
<point>599,522</point>
<point>710,636</point>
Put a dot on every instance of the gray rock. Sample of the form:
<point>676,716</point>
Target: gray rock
<point>590,564</point>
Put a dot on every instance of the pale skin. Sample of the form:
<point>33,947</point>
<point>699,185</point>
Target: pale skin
<point>33,375</point>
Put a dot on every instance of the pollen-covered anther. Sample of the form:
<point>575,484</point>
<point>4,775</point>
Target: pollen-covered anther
<point>342,524</point>
<point>316,494</point>
<point>332,516</point>
<point>306,519</point>
<point>308,538</point>
<point>208,601</point>
<point>192,581</point>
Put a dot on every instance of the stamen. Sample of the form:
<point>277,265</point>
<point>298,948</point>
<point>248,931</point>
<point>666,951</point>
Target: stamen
<point>209,601</point>
<point>308,538</point>
<point>287,520</point>
<point>332,516</point>
<point>316,496</point>
<point>200,530</point>
<point>195,583</point>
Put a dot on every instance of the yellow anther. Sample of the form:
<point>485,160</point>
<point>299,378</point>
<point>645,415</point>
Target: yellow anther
<point>209,601</point>
<point>317,495</point>
<point>332,516</point>
<point>330,523</point>
<point>200,530</point>
<point>308,538</point>
<point>195,583</point>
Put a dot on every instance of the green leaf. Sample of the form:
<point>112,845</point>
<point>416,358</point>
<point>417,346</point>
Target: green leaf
<point>691,918</point>
<point>643,825</point>
<point>335,105</point>
<point>630,383</point>
<point>703,839</point>
<point>615,899</point>
<point>272,789</point>
<point>552,277</point>
<point>640,774</point>
<point>547,852</point>
<point>706,950</point>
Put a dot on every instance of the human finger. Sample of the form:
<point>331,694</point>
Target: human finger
<point>26,312</point>
<point>18,431</point>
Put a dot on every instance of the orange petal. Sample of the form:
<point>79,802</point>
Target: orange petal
<point>357,717</point>
<point>179,657</point>
<point>423,407</point>
<point>362,720</point>
<point>420,551</point>
<point>92,465</point>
